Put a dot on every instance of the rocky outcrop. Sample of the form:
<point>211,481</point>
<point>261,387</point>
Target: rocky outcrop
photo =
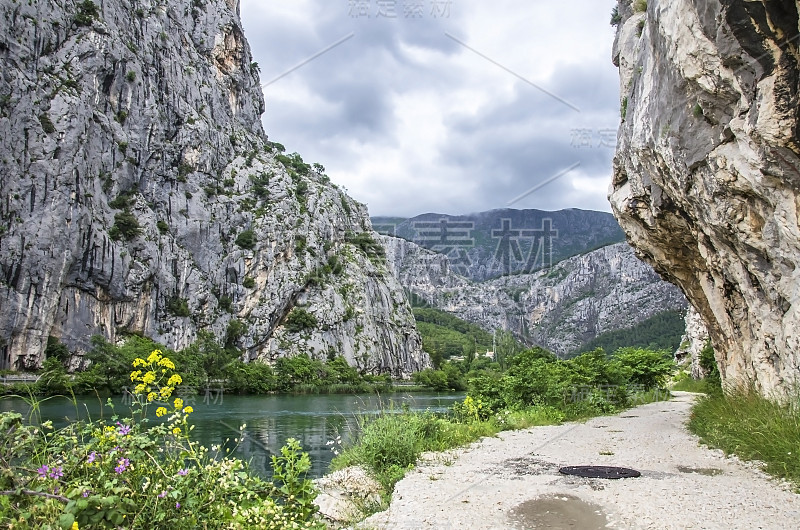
<point>706,182</point>
<point>687,356</point>
<point>140,194</point>
<point>560,308</point>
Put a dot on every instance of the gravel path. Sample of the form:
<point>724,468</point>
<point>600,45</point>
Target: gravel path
<point>512,481</point>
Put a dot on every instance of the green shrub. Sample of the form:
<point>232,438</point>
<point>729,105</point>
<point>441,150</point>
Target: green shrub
<point>47,123</point>
<point>125,226</point>
<point>646,367</point>
<point>615,16</point>
<point>639,6</point>
<point>225,303</point>
<point>248,282</point>
<point>131,76</point>
<point>299,320</point>
<point>178,307</point>
<point>162,226</point>
<point>708,363</point>
<point>246,239</point>
<point>697,111</point>
<point>236,330</point>
<point>87,13</point>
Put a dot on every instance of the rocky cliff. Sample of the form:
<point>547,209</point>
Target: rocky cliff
<point>140,194</point>
<point>687,356</point>
<point>706,182</point>
<point>560,308</point>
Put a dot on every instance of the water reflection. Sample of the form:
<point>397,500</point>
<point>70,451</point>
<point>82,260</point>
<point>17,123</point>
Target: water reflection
<point>270,420</point>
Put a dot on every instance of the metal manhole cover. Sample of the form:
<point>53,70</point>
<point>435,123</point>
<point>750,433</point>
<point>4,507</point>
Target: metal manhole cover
<point>609,472</point>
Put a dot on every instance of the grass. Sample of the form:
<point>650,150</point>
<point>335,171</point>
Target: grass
<point>692,385</point>
<point>753,428</point>
<point>388,445</point>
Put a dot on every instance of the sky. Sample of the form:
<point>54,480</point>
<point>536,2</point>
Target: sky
<point>445,106</point>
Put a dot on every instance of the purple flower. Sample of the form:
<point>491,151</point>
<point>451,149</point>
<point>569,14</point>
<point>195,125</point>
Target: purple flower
<point>162,494</point>
<point>91,457</point>
<point>56,472</point>
<point>178,505</point>
<point>86,493</point>
<point>183,472</point>
<point>123,464</point>
<point>123,430</point>
<point>43,471</point>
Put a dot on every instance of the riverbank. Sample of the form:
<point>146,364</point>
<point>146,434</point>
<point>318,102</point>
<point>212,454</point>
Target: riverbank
<point>512,481</point>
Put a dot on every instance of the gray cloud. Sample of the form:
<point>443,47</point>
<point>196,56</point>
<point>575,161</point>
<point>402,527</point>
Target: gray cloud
<point>409,121</point>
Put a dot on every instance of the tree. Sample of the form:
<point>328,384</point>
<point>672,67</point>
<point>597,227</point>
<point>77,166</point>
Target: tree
<point>649,368</point>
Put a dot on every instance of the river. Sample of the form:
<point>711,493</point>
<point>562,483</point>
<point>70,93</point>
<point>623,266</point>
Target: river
<point>314,420</point>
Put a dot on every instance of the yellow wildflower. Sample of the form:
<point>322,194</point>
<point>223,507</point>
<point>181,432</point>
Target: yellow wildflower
<point>139,389</point>
<point>151,396</point>
<point>166,363</point>
<point>176,431</point>
<point>138,362</point>
<point>160,411</point>
<point>135,376</point>
<point>154,357</point>
<point>178,403</point>
<point>175,380</point>
<point>74,526</point>
<point>166,391</point>
<point>149,377</point>
<point>188,410</point>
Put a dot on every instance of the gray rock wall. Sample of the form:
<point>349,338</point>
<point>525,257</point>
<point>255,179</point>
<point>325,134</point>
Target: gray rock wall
<point>560,308</point>
<point>706,182</point>
<point>148,115</point>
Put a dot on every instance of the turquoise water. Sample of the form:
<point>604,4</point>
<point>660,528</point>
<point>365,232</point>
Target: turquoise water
<point>314,420</point>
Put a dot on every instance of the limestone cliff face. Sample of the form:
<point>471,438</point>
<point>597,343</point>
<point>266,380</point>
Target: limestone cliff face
<point>693,341</point>
<point>140,194</point>
<point>560,308</point>
<point>706,181</point>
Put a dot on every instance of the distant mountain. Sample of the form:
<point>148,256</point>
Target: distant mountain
<point>562,308</point>
<point>497,243</point>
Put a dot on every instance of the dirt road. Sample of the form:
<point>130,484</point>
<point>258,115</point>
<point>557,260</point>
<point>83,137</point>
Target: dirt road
<point>513,481</point>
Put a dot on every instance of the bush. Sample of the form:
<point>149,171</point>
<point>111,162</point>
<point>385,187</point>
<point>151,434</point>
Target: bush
<point>639,6</point>
<point>248,282</point>
<point>162,226</point>
<point>235,331</point>
<point>178,307</point>
<point>130,473</point>
<point>47,123</point>
<point>246,239</point>
<point>646,367</point>
<point>125,226</point>
<point>299,320</point>
<point>87,13</point>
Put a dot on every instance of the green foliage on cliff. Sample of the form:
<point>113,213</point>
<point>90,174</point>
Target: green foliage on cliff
<point>126,226</point>
<point>246,239</point>
<point>445,336</point>
<point>300,320</point>
<point>659,332</point>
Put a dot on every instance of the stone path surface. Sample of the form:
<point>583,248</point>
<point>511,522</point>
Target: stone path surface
<point>512,481</point>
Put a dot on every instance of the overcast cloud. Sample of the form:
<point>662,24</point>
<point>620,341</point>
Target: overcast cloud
<point>416,112</point>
